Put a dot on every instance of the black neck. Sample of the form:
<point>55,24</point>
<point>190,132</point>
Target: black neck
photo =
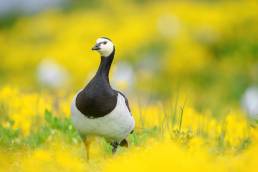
<point>105,65</point>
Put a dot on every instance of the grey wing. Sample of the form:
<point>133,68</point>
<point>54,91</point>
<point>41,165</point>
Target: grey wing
<point>126,100</point>
<point>127,104</point>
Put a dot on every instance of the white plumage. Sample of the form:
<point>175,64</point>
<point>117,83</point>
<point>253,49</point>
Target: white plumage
<point>114,126</point>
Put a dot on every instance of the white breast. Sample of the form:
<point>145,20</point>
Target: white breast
<point>114,126</point>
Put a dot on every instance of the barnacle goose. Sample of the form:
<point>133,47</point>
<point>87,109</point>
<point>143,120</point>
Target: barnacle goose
<point>98,109</point>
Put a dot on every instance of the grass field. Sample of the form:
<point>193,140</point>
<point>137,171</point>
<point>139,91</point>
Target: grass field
<point>179,138</point>
<point>184,67</point>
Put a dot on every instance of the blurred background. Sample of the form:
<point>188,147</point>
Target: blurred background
<point>204,50</point>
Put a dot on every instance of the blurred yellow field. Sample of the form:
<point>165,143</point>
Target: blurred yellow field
<point>189,70</point>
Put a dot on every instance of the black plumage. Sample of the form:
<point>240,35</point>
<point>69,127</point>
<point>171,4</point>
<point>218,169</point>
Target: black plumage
<point>98,98</point>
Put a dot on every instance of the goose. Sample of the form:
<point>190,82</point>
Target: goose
<point>100,110</point>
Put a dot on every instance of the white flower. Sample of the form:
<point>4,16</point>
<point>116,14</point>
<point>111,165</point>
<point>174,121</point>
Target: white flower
<point>123,76</point>
<point>250,102</point>
<point>51,74</point>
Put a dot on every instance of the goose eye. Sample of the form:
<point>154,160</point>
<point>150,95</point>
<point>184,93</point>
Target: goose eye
<point>105,43</point>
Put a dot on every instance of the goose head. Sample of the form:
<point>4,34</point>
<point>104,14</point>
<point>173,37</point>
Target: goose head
<point>104,46</point>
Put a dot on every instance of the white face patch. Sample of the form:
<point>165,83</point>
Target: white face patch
<point>106,47</point>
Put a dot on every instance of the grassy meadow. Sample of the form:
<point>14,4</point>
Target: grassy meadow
<point>184,66</point>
